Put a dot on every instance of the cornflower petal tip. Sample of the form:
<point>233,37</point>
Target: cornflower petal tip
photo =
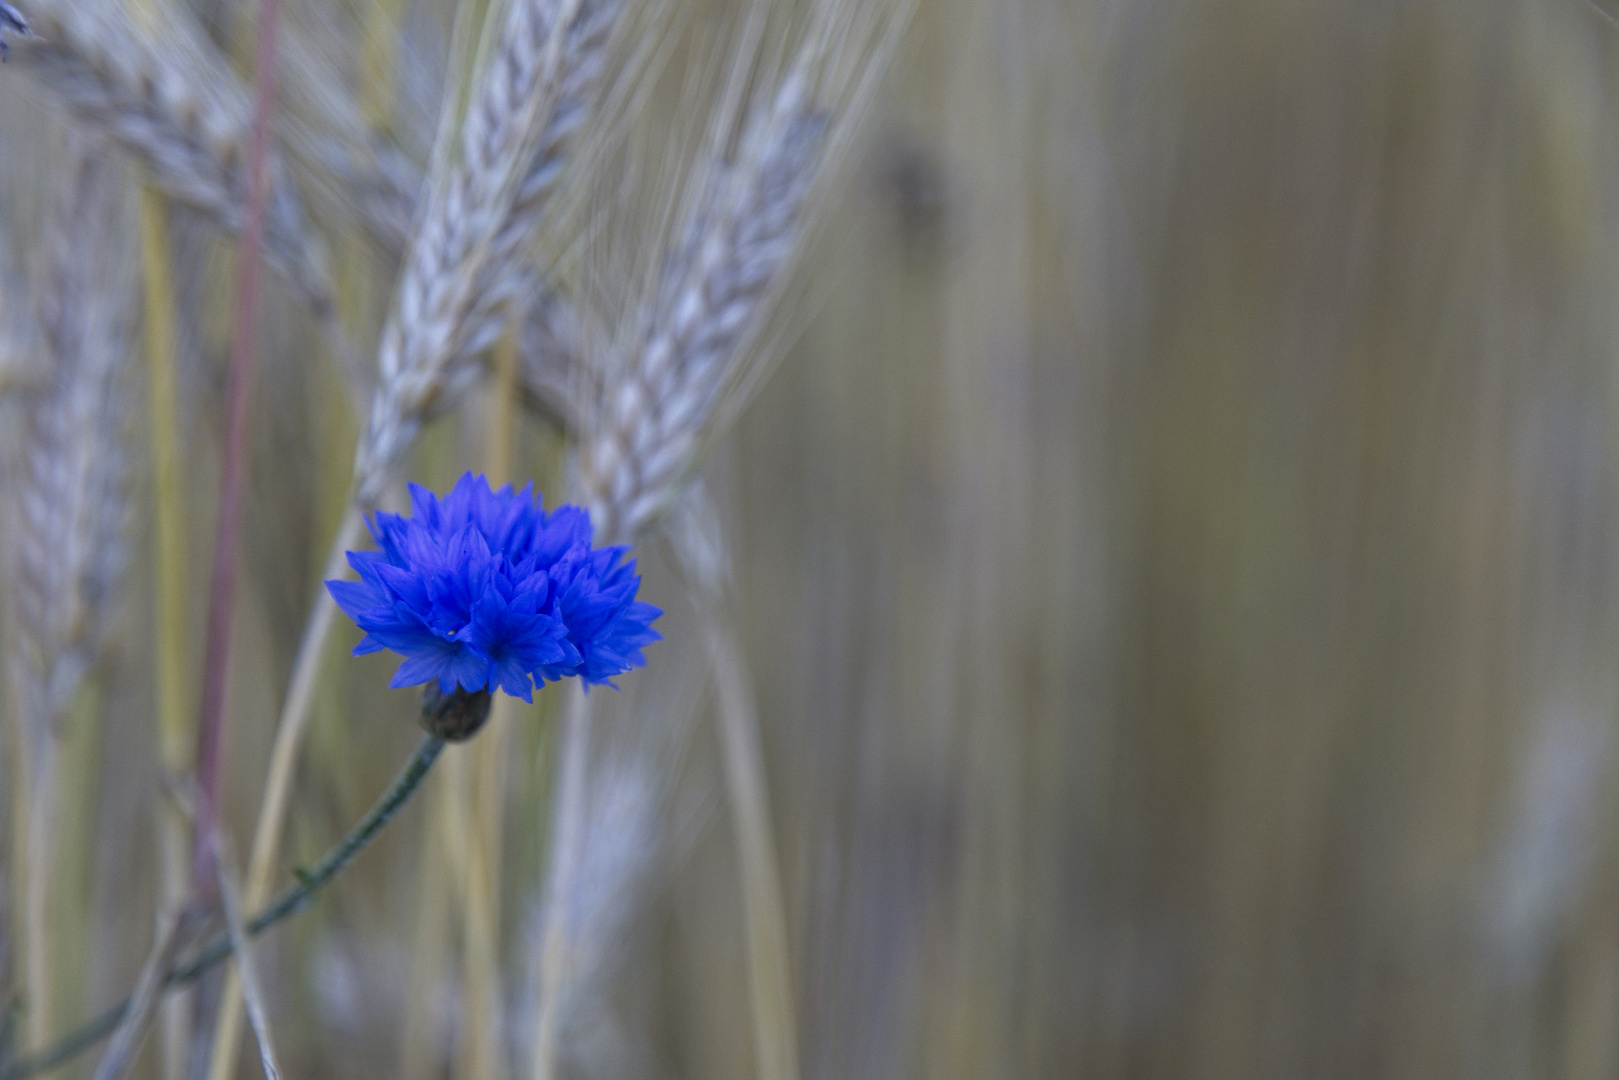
<point>11,20</point>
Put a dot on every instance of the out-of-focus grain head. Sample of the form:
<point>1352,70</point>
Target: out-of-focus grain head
<point>70,543</point>
<point>166,96</point>
<point>712,239</point>
<point>469,260</point>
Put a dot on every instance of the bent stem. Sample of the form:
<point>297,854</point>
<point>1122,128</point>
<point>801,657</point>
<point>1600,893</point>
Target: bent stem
<point>764,914</point>
<point>567,839</point>
<point>291,901</point>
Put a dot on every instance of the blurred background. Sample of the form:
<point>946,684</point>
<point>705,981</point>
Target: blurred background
<point>1175,563</point>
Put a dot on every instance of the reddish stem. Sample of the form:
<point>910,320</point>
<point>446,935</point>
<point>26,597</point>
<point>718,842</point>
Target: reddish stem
<point>238,389</point>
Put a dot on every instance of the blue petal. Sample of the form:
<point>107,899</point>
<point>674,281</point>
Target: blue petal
<point>472,670</point>
<point>354,597</point>
<point>424,507</point>
<point>419,669</point>
<point>367,645</point>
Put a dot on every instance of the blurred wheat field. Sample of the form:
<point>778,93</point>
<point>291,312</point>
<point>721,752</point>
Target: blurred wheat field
<point>1162,523</point>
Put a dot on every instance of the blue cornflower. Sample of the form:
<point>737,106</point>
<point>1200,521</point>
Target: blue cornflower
<point>10,19</point>
<point>483,589</point>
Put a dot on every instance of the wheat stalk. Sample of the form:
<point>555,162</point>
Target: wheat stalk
<point>615,830</point>
<point>526,109</point>
<point>171,587</point>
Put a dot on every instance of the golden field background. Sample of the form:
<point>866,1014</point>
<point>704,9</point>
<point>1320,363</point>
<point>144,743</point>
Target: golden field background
<point>1175,563</point>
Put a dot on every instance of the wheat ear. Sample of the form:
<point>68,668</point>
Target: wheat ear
<point>179,110</point>
<point>703,349</point>
<point>527,105</point>
<point>653,415</point>
<point>74,498</point>
<point>72,505</point>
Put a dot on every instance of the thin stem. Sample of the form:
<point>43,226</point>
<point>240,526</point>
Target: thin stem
<point>222,587</point>
<point>230,902</point>
<point>169,564</point>
<point>126,1041</point>
<point>278,784</point>
<point>174,717</point>
<point>567,840</point>
<point>764,914</point>
<point>291,901</point>
<point>429,949</point>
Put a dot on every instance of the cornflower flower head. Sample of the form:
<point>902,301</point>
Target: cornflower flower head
<point>10,19</point>
<point>482,590</point>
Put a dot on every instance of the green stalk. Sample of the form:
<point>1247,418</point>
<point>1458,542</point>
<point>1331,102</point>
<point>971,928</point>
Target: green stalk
<point>175,736</point>
<point>290,902</point>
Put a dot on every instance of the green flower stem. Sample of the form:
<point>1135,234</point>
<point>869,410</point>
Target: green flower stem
<point>290,902</point>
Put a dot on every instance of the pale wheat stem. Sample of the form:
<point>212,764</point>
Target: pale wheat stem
<point>230,902</point>
<point>168,513</point>
<point>568,823</point>
<point>483,794</point>
<point>70,550</point>
<point>169,634</point>
<point>126,1041</point>
<point>764,913</point>
<point>429,945</point>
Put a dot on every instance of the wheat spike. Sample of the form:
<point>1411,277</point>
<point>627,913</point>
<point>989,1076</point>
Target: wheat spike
<point>667,392</point>
<point>178,109</point>
<point>703,345</point>
<point>71,505</point>
<point>73,488</point>
<point>467,262</point>
<point>649,423</point>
